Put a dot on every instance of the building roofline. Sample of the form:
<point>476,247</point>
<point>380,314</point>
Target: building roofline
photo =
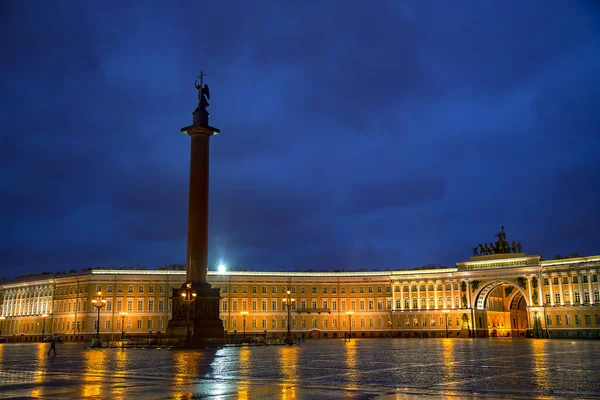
<point>278,273</point>
<point>563,261</point>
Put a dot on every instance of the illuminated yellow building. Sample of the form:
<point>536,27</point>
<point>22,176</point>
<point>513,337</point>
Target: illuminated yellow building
<point>487,296</point>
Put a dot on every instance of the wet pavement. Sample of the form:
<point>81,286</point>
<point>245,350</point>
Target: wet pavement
<point>317,369</point>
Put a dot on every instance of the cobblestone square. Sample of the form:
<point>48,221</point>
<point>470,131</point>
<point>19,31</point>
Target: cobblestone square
<point>324,369</point>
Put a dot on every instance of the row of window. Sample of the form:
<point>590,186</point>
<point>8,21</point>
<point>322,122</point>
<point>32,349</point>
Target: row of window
<point>568,321</point>
<point>29,294</point>
<point>62,306</point>
<point>80,325</point>
<point>109,289</point>
<point>324,323</point>
<point>574,279</point>
<point>363,305</point>
<point>333,289</point>
<point>577,297</point>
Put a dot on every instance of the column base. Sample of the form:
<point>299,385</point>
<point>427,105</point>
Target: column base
<point>204,321</point>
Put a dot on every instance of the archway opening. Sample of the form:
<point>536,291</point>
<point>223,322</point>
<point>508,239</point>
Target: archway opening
<point>501,311</point>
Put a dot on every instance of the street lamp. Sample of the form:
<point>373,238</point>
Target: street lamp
<point>2,318</point>
<point>446,312</point>
<point>188,295</point>
<point>98,302</point>
<point>350,314</point>
<point>244,313</point>
<point>123,314</point>
<point>44,316</point>
<point>288,301</point>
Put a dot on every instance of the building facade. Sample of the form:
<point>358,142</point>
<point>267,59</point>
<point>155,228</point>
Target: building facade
<point>499,295</point>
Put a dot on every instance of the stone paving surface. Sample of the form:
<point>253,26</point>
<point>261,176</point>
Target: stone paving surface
<point>317,369</point>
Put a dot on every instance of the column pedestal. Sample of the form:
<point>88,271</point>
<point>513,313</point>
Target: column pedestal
<point>204,315</point>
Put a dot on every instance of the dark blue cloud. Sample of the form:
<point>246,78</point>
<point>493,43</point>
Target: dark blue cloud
<point>388,136</point>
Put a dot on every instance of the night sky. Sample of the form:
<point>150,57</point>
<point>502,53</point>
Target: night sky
<point>354,134</point>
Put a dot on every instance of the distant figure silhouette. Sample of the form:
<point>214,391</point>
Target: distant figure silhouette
<point>52,345</point>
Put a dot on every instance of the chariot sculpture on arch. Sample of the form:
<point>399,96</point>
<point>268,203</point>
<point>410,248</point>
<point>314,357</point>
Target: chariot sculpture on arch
<point>501,246</point>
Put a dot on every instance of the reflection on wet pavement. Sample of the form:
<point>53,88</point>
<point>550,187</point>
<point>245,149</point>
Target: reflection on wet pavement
<point>324,369</point>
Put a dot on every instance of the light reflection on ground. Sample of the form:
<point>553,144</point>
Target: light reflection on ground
<point>324,369</point>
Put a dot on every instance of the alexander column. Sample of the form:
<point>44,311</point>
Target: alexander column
<point>196,303</point>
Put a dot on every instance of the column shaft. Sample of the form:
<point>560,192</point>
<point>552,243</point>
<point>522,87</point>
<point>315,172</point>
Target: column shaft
<point>197,247</point>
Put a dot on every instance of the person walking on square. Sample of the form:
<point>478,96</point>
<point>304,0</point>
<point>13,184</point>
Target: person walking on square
<point>52,345</point>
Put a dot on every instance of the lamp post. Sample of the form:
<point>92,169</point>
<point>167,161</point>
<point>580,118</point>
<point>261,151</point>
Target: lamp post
<point>350,314</point>
<point>44,316</point>
<point>188,295</point>
<point>98,302</point>
<point>288,301</point>
<point>123,314</point>
<point>2,318</point>
<point>446,312</point>
<point>244,313</point>
<point>391,322</point>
